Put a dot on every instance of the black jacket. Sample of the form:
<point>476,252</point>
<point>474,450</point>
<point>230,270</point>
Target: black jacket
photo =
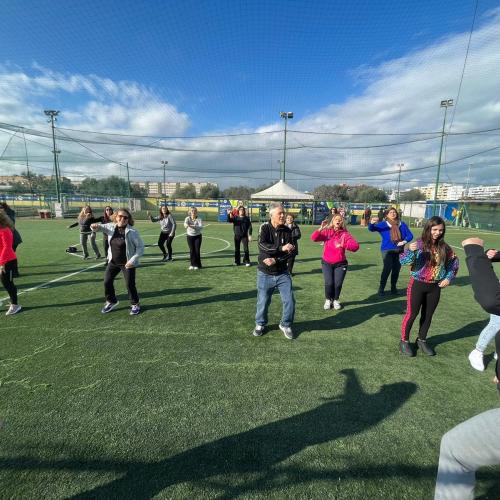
<point>296,235</point>
<point>85,223</point>
<point>271,241</point>
<point>242,226</point>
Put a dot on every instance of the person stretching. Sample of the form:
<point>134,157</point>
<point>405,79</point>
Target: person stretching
<point>433,266</point>
<point>242,228</point>
<point>85,220</point>
<point>395,234</point>
<point>8,262</point>
<point>167,233</point>
<point>125,248</point>
<point>334,263</point>
<point>194,227</point>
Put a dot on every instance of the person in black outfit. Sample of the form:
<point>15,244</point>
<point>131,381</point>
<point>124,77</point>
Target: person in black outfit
<point>296,235</point>
<point>106,218</point>
<point>242,227</point>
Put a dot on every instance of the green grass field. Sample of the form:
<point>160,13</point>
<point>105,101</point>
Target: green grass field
<point>183,402</point>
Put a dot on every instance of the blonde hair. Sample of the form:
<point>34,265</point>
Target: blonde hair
<point>342,225</point>
<point>5,220</point>
<point>83,211</point>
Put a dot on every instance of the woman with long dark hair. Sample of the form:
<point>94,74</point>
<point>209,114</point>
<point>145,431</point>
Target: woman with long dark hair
<point>395,234</point>
<point>106,218</point>
<point>433,266</point>
<point>167,233</point>
<point>8,261</point>
<point>242,229</point>
<point>85,220</point>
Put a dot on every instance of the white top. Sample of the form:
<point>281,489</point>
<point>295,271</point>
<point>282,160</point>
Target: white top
<point>193,226</point>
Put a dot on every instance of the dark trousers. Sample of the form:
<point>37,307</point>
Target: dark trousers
<point>424,296</point>
<point>194,243</point>
<point>237,253</point>
<point>392,266</point>
<point>7,278</point>
<point>165,239</point>
<point>290,262</point>
<point>333,275</point>
<point>105,244</point>
<point>112,271</point>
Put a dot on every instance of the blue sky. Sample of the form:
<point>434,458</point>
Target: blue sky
<point>220,66</point>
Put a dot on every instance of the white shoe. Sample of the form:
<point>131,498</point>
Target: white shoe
<point>476,360</point>
<point>191,268</point>
<point>195,268</point>
<point>248,264</point>
<point>327,305</point>
<point>337,305</point>
<point>13,309</point>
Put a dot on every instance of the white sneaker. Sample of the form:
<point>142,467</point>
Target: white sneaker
<point>337,305</point>
<point>248,264</point>
<point>287,331</point>
<point>13,309</point>
<point>327,305</point>
<point>195,268</point>
<point>476,360</point>
<point>191,268</point>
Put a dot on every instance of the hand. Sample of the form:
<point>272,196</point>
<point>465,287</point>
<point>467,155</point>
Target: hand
<point>94,226</point>
<point>473,241</point>
<point>373,220</point>
<point>2,269</point>
<point>413,246</point>
<point>249,238</point>
<point>288,248</point>
<point>495,380</point>
<point>323,225</point>
<point>269,261</point>
<point>401,243</point>
<point>491,253</point>
<point>129,265</point>
<point>443,283</point>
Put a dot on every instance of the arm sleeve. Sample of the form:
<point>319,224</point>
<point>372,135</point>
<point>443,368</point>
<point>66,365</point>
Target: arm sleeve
<point>319,236</point>
<point>74,224</point>
<point>406,233</point>
<point>139,248</point>
<point>154,219</point>
<point>408,257</point>
<point>250,229</point>
<point>452,267</point>
<point>296,233</point>
<point>350,243</point>
<point>174,224</point>
<point>483,279</point>
<point>265,243</point>
<point>186,225</point>
<point>374,227</point>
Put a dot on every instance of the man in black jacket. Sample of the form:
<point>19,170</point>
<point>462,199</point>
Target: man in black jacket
<point>275,248</point>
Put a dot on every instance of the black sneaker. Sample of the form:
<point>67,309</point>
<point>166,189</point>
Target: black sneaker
<point>394,291</point>
<point>406,348</point>
<point>380,292</point>
<point>425,347</point>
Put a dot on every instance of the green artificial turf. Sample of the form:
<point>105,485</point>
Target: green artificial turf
<point>183,402</point>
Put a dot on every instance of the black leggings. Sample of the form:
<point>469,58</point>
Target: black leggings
<point>112,271</point>
<point>165,238</point>
<point>392,266</point>
<point>237,252</point>
<point>7,278</point>
<point>334,275</point>
<point>194,243</point>
<point>420,295</point>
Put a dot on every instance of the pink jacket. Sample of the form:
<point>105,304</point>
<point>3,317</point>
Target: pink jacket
<point>6,252</point>
<point>336,243</point>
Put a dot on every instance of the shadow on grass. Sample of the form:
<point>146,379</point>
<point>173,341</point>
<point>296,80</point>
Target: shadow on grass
<point>257,452</point>
<point>470,330</point>
<point>350,267</point>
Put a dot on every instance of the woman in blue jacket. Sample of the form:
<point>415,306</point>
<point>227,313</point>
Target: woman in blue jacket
<point>395,234</point>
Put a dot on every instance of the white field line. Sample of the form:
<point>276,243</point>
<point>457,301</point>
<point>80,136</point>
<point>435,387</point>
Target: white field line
<point>61,278</point>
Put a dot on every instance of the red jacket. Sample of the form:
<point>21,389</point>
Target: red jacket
<point>6,239</point>
<point>336,244</point>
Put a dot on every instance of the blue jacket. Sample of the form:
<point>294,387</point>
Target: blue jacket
<point>384,228</point>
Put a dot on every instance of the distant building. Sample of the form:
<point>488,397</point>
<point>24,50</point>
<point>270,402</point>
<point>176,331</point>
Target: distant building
<point>457,192</point>
<point>169,188</point>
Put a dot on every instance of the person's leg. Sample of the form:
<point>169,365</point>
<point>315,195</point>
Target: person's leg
<point>109,276</point>
<point>339,275</point>
<point>161,243</point>
<point>289,264</point>
<point>395,269</point>
<point>197,248</point>
<point>465,448</point>
<point>105,243</point>
<point>429,304</point>
<point>169,246</point>
<point>414,298</point>
<point>284,284</point>
<point>129,276</point>
<point>265,288</point>
<point>386,270</point>
<point>329,278</point>
<point>190,241</point>
<point>488,333</point>
<point>83,243</point>
<point>7,279</point>
<point>95,248</point>
<point>237,252</point>
<point>246,251</point>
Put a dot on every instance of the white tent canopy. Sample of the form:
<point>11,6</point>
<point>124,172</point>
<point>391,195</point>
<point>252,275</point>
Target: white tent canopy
<point>281,191</point>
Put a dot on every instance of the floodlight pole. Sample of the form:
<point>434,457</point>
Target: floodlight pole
<point>285,115</point>
<point>128,182</point>
<point>444,104</point>
<point>400,165</point>
<point>53,114</point>
<point>164,163</point>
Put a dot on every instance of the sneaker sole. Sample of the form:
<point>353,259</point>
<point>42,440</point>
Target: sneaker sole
<point>12,313</point>
<point>109,310</point>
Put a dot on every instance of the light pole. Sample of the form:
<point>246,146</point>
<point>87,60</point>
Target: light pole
<point>280,163</point>
<point>164,163</point>
<point>447,103</point>
<point>400,165</point>
<point>52,114</point>
<point>286,115</point>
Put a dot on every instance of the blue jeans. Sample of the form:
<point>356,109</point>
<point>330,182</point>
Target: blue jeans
<point>488,333</point>
<point>266,284</point>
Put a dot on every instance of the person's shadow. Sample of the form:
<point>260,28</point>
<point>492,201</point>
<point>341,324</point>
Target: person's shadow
<point>260,451</point>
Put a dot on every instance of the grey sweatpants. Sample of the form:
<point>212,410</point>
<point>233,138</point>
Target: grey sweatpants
<point>468,446</point>
<point>83,242</point>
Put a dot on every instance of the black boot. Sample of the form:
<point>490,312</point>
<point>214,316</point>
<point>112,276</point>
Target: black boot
<point>425,348</point>
<point>406,348</point>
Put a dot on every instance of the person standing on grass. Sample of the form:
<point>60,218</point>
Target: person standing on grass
<point>296,235</point>
<point>194,227</point>
<point>242,228</point>
<point>475,442</point>
<point>490,330</point>
<point>85,220</point>
<point>106,218</point>
<point>125,249</point>
<point>8,262</point>
<point>395,234</point>
<point>434,265</point>
<point>336,241</point>
<point>17,236</point>
<point>167,233</point>
<point>275,248</point>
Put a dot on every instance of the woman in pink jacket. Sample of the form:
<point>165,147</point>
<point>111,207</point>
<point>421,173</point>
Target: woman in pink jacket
<point>334,263</point>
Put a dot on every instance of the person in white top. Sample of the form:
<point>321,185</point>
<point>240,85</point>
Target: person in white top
<point>194,227</point>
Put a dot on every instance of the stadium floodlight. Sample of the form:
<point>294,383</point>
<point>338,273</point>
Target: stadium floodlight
<point>164,163</point>
<point>52,114</point>
<point>286,115</point>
